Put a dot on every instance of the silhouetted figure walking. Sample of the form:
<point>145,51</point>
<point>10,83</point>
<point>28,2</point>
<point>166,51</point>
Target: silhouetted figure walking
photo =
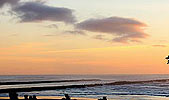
<point>67,97</point>
<point>13,96</point>
<point>167,59</point>
<point>26,97</point>
<point>104,98</point>
<point>34,97</point>
<point>30,98</point>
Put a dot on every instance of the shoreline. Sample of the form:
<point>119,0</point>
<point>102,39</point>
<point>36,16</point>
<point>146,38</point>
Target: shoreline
<point>113,97</point>
<point>55,98</point>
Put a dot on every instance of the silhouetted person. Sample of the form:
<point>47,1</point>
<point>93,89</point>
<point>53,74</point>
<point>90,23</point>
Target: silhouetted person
<point>67,97</point>
<point>30,98</point>
<point>63,99</point>
<point>34,97</point>
<point>13,96</point>
<point>167,59</point>
<point>104,98</point>
<point>26,97</point>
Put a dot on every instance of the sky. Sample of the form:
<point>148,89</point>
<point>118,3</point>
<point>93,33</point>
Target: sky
<point>83,37</point>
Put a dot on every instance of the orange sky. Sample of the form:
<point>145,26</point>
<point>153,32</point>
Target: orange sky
<point>63,37</point>
<point>110,60</point>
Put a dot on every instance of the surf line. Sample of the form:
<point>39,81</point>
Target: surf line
<point>38,82</point>
<point>77,86</point>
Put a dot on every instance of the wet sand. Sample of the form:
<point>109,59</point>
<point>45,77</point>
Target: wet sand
<point>137,97</point>
<point>119,97</point>
<point>54,97</point>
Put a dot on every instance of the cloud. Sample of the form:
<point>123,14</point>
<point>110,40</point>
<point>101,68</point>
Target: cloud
<point>49,35</point>
<point>38,12</point>
<point>11,2</point>
<point>159,45</point>
<point>99,37</point>
<point>134,37</point>
<point>52,26</point>
<point>124,29</point>
<point>76,32</point>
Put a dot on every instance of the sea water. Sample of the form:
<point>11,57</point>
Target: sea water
<point>150,90</point>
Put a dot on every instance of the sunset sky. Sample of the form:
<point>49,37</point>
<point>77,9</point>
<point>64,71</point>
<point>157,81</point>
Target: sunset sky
<point>84,37</point>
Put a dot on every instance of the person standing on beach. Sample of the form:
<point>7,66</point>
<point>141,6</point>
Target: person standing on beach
<point>26,97</point>
<point>13,96</point>
<point>67,97</point>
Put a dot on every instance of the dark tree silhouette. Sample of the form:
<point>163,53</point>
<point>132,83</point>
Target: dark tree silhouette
<point>167,59</point>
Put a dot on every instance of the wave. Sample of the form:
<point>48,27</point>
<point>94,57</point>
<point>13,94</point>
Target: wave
<point>78,86</point>
<point>136,82</point>
<point>38,82</point>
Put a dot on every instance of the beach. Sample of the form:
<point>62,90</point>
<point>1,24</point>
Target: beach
<point>122,97</point>
<point>53,97</point>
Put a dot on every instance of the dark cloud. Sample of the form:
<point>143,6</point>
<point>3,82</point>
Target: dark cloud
<point>38,12</point>
<point>76,32</point>
<point>134,37</point>
<point>124,29</point>
<point>99,37</point>
<point>11,2</point>
<point>159,45</point>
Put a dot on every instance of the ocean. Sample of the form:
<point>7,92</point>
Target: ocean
<point>133,87</point>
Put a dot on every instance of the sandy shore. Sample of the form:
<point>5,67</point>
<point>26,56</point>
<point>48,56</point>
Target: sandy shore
<point>54,97</point>
<point>119,97</point>
<point>137,97</point>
